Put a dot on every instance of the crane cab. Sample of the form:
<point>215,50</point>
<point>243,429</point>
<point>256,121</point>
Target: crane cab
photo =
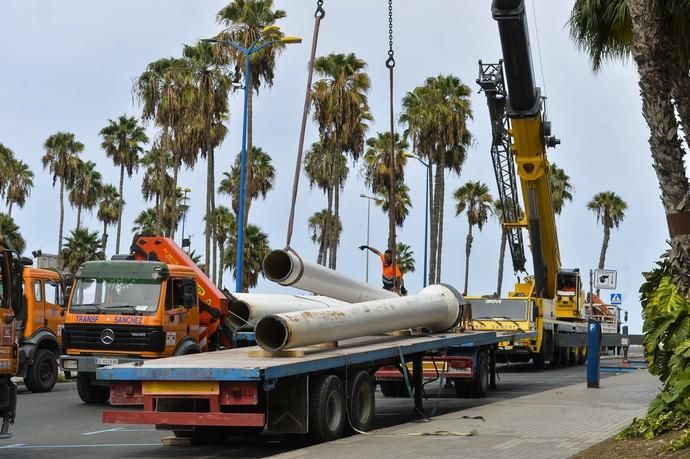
<point>569,294</point>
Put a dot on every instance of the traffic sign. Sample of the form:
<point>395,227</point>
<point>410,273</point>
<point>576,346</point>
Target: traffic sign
<point>605,279</point>
<point>616,298</point>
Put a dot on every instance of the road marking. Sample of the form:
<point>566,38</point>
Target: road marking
<point>103,445</point>
<point>118,429</point>
<point>16,445</point>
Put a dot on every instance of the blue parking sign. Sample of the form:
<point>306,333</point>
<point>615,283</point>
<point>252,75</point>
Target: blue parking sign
<point>616,298</point>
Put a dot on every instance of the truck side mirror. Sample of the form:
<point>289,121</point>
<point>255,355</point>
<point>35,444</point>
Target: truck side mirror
<point>189,293</point>
<point>625,316</point>
<point>535,312</point>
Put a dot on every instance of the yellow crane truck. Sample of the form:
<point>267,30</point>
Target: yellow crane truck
<point>551,300</point>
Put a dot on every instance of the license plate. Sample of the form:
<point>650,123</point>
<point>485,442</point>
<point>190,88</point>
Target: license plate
<point>104,361</point>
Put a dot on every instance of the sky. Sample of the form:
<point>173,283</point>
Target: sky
<point>68,65</point>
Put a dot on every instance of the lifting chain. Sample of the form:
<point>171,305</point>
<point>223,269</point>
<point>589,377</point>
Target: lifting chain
<point>390,63</point>
<point>318,15</point>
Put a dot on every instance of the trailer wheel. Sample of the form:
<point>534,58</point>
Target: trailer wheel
<point>327,414</point>
<point>360,402</point>
<point>90,392</point>
<point>572,356</point>
<point>480,384</point>
<point>42,374</point>
<point>581,355</point>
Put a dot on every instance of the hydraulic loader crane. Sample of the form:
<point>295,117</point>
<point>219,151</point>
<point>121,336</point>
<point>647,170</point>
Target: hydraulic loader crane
<point>551,301</point>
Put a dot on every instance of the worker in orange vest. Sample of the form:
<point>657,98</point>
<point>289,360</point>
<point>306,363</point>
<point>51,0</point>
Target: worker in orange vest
<point>390,275</point>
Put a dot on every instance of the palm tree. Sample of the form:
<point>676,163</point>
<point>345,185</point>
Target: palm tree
<point>6,158</point>
<point>211,82</point>
<point>341,110</point>
<point>246,21</point>
<point>61,158</point>
<point>10,231</point>
<point>319,224</point>
<point>81,246</point>
<point>435,115</point>
<point>319,162</point>
<point>156,178</point>
<point>225,223</point>
<point>655,33</point>
<point>146,222</point>
<point>85,188</point>
<point>262,175</point>
<point>474,199</point>
<point>403,202</point>
<point>404,257</point>
<point>108,210</point>
<point>560,187</point>
<point>19,184</point>
<point>123,142</point>
<point>497,210</point>
<point>610,211</point>
<point>255,250</point>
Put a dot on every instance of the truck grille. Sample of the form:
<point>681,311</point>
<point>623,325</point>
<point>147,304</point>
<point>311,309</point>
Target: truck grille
<point>122,338</point>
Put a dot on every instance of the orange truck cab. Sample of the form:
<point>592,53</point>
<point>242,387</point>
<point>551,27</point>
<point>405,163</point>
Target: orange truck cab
<point>141,307</point>
<point>39,328</point>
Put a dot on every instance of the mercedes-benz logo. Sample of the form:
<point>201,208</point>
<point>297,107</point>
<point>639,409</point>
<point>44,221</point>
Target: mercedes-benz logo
<point>107,336</point>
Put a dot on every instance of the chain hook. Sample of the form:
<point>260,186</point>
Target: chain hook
<point>390,62</point>
<point>320,12</point>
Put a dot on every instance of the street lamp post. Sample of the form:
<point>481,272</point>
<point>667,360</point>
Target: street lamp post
<point>426,214</point>
<point>184,214</point>
<point>243,156</point>
<point>369,199</point>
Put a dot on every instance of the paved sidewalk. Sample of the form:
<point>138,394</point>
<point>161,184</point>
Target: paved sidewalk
<point>552,424</point>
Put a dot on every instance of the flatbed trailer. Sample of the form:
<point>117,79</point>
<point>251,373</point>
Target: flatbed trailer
<point>316,390</point>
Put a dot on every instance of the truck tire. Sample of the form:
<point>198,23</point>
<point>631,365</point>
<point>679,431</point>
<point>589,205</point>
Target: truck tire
<point>327,414</point>
<point>90,392</point>
<point>360,402</point>
<point>42,374</point>
<point>479,386</point>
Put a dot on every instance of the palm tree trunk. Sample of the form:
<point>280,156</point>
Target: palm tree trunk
<point>162,174</point>
<point>9,209</point>
<point>436,215</point>
<point>119,209</point>
<point>62,215</point>
<point>104,238</point>
<point>215,260</point>
<point>651,47</point>
<point>433,239</point>
<point>430,180</point>
<point>78,217</point>
<point>501,262</point>
<point>468,250</point>
<point>439,251</point>
<point>207,230</point>
<point>319,258</point>
<point>327,228</point>
<point>221,268</point>
<point>604,246</point>
<point>173,202</point>
<point>681,96</point>
<point>334,227</point>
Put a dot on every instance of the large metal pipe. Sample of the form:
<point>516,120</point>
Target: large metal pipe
<point>523,96</point>
<point>247,308</point>
<point>288,269</point>
<point>436,308</point>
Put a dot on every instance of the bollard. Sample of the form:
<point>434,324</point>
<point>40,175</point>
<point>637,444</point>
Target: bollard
<point>625,343</point>
<point>593,351</point>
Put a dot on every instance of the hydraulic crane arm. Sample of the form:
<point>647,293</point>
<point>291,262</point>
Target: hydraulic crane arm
<point>531,135</point>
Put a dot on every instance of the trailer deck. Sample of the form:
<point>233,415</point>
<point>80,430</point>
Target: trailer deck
<point>239,364</point>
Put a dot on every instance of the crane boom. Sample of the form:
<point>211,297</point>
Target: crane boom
<point>531,135</point>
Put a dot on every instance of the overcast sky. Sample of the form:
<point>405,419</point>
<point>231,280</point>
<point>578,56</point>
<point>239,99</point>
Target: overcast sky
<point>68,65</point>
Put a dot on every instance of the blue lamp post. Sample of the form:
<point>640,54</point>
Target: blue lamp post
<point>256,46</point>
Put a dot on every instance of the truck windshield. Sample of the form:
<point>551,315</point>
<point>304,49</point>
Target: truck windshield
<point>499,309</point>
<point>116,296</point>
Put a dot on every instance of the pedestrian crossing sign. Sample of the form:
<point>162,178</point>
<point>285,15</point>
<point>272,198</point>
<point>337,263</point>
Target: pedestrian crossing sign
<point>616,298</point>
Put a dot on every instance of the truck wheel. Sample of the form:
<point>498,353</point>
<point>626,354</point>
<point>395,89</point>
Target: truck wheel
<point>572,356</point>
<point>90,392</point>
<point>326,409</point>
<point>538,361</point>
<point>42,374</point>
<point>480,385</point>
<point>360,402</point>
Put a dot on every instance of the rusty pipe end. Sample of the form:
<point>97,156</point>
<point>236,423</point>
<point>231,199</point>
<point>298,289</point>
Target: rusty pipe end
<point>239,314</point>
<point>272,333</point>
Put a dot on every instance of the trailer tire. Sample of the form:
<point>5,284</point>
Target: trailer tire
<point>572,356</point>
<point>538,361</point>
<point>327,414</point>
<point>479,387</point>
<point>90,392</point>
<point>361,403</point>
<point>42,374</point>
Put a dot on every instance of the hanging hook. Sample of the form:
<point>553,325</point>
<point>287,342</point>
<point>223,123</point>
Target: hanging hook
<point>320,12</point>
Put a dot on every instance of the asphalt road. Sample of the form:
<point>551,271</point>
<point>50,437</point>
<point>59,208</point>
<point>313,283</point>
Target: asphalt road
<point>57,424</point>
